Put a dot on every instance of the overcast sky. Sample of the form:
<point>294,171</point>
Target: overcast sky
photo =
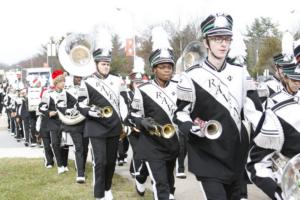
<point>26,24</point>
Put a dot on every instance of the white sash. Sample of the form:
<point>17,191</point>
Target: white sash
<point>107,92</point>
<point>217,88</point>
<point>162,99</point>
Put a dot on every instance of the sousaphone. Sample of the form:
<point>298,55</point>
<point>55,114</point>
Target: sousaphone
<point>193,54</point>
<point>76,54</point>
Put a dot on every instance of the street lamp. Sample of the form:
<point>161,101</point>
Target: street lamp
<point>51,51</point>
<point>133,31</point>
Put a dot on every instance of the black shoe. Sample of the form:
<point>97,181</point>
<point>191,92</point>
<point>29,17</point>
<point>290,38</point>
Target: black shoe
<point>26,144</point>
<point>120,162</point>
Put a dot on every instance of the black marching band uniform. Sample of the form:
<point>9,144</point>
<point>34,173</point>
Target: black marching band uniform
<point>44,133</point>
<point>210,94</point>
<point>48,105</point>
<point>273,84</point>
<point>262,122</point>
<point>137,168</point>
<point>67,106</point>
<point>277,137</point>
<point>155,104</point>
<point>101,91</point>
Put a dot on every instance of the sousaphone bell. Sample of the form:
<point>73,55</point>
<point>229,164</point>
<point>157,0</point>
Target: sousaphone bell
<point>76,54</point>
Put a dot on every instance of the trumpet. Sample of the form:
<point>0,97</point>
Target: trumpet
<point>212,129</point>
<point>105,112</point>
<point>166,131</point>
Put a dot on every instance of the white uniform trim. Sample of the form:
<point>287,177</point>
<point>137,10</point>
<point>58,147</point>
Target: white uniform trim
<point>202,190</point>
<point>153,180</point>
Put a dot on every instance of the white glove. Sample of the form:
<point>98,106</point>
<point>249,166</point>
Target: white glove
<point>196,130</point>
<point>94,114</point>
<point>72,112</point>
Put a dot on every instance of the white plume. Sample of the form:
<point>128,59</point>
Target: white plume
<point>160,39</point>
<point>238,47</point>
<point>139,65</point>
<point>102,38</point>
<point>287,46</point>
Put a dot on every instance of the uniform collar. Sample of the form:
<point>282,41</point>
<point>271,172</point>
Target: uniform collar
<point>157,83</point>
<point>97,74</point>
<point>214,67</point>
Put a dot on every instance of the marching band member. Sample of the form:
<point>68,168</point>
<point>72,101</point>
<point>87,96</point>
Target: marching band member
<point>272,85</point>
<point>214,90</point>
<point>99,101</point>
<point>137,169</point>
<point>277,134</point>
<point>48,107</point>
<point>45,135</point>
<point>22,112</point>
<point>67,108</point>
<point>297,50</point>
<point>153,105</point>
<point>2,93</point>
<point>11,111</point>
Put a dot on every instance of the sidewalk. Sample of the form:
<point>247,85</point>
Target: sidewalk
<point>186,189</point>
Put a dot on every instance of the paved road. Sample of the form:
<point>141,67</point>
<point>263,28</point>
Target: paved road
<point>186,189</point>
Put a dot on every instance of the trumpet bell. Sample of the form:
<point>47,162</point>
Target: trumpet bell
<point>168,131</point>
<point>290,182</point>
<point>75,54</point>
<point>107,112</point>
<point>213,129</point>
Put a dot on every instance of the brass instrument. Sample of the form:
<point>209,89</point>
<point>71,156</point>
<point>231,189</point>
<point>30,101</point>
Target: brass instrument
<point>70,119</point>
<point>166,131</point>
<point>193,53</point>
<point>212,129</point>
<point>105,112</point>
<point>75,54</point>
<point>288,174</point>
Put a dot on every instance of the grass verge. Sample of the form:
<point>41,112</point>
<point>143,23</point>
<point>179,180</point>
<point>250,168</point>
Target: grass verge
<point>28,179</point>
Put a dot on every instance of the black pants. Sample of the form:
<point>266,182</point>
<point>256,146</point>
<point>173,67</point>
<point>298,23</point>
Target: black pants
<point>215,190</point>
<point>57,149</point>
<point>8,113</point>
<point>1,105</point>
<point>47,148</point>
<point>136,164</point>
<point>141,171</point>
<point>162,176</point>
<point>32,125</point>
<point>105,156</point>
<point>25,125</point>
<point>182,153</point>
<point>81,151</point>
<point>123,148</point>
<point>18,128</point>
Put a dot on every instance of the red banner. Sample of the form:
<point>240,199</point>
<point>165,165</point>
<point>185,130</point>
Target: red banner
<point>129,47</point>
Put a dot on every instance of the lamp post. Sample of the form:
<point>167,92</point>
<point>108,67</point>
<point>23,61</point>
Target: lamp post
<point>51,51</point>
<point>133,30</point>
